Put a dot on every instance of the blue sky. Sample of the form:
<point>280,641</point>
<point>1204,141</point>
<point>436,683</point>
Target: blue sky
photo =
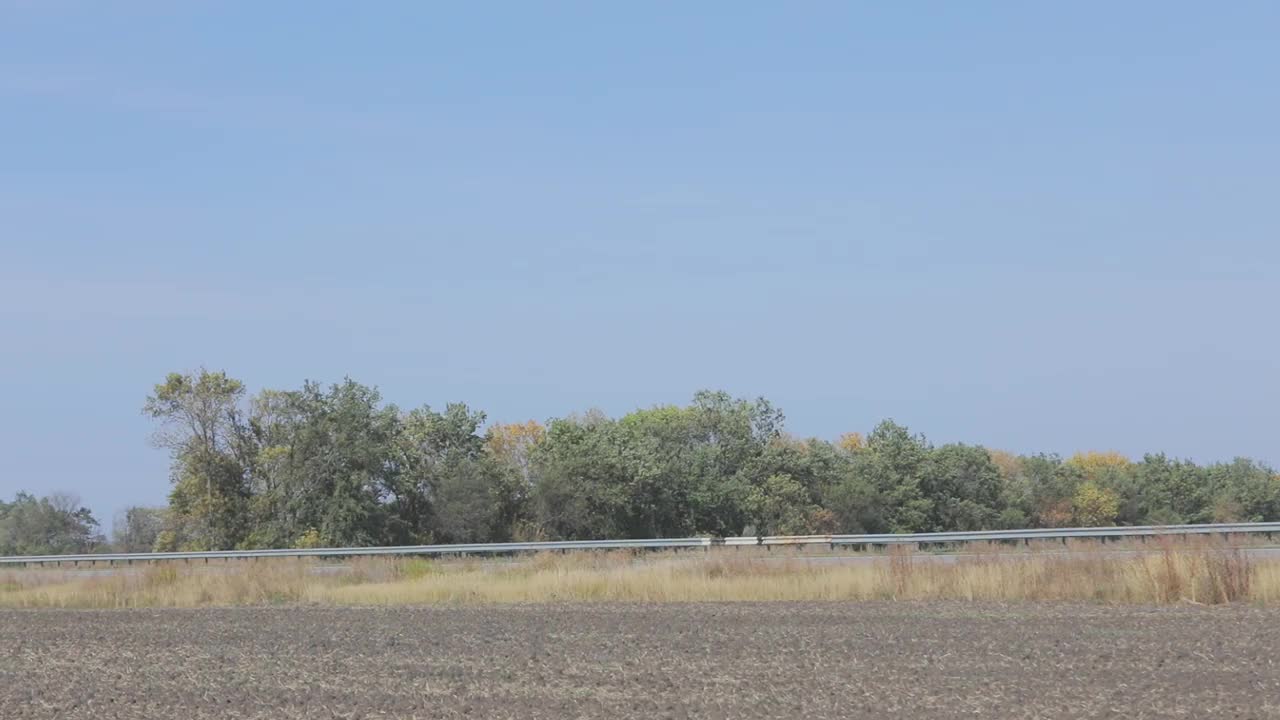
<point>1038,228</point>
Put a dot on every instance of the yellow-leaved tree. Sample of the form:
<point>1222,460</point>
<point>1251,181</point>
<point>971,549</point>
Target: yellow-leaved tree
<point>513,444</point>
<point>1009,465</point>
<point>852,442</point>
<point>1094,505</point>
<point>1095,465</point>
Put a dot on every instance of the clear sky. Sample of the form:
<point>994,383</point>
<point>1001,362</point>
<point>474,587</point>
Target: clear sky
<point>1042,228</point>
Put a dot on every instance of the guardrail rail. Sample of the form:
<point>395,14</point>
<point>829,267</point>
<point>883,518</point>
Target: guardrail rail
<point>833,541</point>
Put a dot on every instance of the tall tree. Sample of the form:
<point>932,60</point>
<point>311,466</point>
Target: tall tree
<point>1171,491</point>
<point>780,506</point>
<point>727,434</point>
<point>1052,485</point>
<point>137,528</point>
<point>451,488</point>
<point>201,424</point>
<point>580,492</point>
<point>328,458</point>
<point>512,444</point>
<point>511,447</point>
<point>894,464</point>
<point>962,485</point>
<point>1017,508</point>
<point>1244,491</point>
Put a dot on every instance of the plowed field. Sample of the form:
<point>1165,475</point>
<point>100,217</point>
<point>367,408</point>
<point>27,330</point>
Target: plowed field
<point>740,661</point>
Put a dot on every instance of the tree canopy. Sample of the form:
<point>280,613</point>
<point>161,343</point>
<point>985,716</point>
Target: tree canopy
<point>337,466</point>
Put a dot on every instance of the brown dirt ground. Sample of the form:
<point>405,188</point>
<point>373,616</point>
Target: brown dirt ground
<point>741,661</point>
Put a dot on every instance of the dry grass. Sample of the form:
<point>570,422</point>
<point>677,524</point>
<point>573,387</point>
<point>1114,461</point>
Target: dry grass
<point>1166,572</point>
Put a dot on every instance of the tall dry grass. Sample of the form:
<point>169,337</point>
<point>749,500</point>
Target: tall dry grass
<point>1170,571</point>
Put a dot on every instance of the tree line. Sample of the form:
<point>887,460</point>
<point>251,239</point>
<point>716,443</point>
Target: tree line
<point>337,466</point>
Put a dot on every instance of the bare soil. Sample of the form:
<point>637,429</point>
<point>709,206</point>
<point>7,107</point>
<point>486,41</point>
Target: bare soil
<point>741,661</point>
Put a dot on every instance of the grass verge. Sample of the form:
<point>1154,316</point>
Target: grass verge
<point>1165,572</point>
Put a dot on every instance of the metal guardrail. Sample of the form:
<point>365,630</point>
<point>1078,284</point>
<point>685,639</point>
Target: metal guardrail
<point>1060,533</point>
<point>396,550</point>
<point>833,541</point>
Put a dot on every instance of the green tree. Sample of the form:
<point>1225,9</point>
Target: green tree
<point>856,504</point>
<point>1244,491</point>
<point>51,525</point>
<point>452,487</point>
<point>474,502</point>
<point>657,448</point>
<point>1050,486</point>
<point>963,487</point>
<point>727,434</point>
<point>137,528</point>
<point>1172,492</point>
<point>780,506</point>
<point>815,464</point>
<point>580,490</point>
<point>327,459</point>
<point>657,472</point>
<point>201,425</point>
<point>894,463</point>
